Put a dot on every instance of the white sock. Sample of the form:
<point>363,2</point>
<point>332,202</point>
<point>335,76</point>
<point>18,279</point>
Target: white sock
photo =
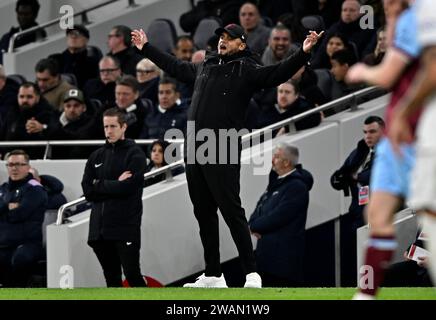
<point>429,225</point>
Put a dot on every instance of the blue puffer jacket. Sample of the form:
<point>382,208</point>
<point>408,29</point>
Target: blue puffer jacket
<point>23,224</point>
<point>280,218</point>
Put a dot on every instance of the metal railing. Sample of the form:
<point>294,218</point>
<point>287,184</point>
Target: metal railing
<point>83,14</point>
<point>52,143</point>
<point>351,99</point>
<point>167,170</point>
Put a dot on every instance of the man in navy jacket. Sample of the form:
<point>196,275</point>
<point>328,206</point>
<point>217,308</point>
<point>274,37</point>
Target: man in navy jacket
<point>23,202</point>
<point>279,220</point>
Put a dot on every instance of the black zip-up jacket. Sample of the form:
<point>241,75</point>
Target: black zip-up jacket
<point>116,205</point>
<point>23,224</point>
<point>224,85</point>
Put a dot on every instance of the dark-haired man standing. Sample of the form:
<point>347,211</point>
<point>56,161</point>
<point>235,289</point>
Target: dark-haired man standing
<point>223,86</point>
<point>112,181</point>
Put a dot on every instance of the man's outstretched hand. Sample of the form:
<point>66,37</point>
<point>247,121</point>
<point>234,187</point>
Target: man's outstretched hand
<point>139,38</point>
<point>311,40</point>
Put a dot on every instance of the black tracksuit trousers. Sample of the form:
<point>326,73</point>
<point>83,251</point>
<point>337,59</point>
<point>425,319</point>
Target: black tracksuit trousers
<point>212,187</point>
<point>114,254</point>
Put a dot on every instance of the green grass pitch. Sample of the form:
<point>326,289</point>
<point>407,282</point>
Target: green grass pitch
<point>211,294</point>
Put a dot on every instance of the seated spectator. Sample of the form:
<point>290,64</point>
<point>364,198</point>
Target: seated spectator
<point>30,120</point>
<point>329,10</point>
<point>184,48</point>
<point>225,10</point>
<point>27,12</point>
<point>127,100</point>
<point>279,221</point>
<point>49,80</point>
<point>183,51</point>
<point>354,177</point>
<point>75,58</point>
<point>103,88</point>
<point>53,186</point>
<point>168,114</point>
<point>349,27</point>
<point>374,58</point>
<point>289,104</point>
<point>279,47</point>
<point>23,202</point>
<point>73,124</point>
<point>120,47</point>
<point>307,81</point>
<point>148,75</point>
<point>335,42</point>
<point>412,272</point>
<point>341,62</point>
<point>8,95</point>
<point>157,160</point>
<point>257,33</point>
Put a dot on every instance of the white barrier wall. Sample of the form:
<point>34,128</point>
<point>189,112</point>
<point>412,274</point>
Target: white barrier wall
<point>23,61</point>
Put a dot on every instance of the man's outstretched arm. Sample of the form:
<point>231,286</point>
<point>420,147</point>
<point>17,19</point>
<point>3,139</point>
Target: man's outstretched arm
<point>181,70</point>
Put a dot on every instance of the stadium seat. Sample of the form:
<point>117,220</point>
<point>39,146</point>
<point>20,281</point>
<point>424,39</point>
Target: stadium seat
<point>70,78</point>
<point>94,52</point>
<point>17,78</point>
<point>205,30</point>
<point>324,81</point>
<point>313,22</point>
<point>162,34</point>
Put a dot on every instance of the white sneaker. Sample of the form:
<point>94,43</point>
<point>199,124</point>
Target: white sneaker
<point>362,296</point>
<point>253,280</point>
<point>207,282</point>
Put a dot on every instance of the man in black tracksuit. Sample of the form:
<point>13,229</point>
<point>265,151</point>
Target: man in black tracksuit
<point>112,181</point>
<point>223,86</point>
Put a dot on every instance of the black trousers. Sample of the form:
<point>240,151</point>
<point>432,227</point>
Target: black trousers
<point>113,255</point>
<point>212,187</point>
<point>17,263</point>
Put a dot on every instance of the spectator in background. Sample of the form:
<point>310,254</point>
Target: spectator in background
<point>335,42</point>
<point>23,202</point>
<point>73,124</point>
<point>49,80</point>
<point>119,43</point>
<point>280,46</point>
<point>183,51</point>
<point>8,95</point>
<point>349,27</point>
<point>148,76</point>
<point>279,220</point>
<point>374,58</point>
<point>27,12</point>
<point>184,48</point>
<point>53,186</point>
<point>257,33</point>
<point>168,114</point>
<point>75,58</point>
<point>157,160</point>
<point>354,177</point>
<point>341,62</point>
<point>103,88</point>
<point>289,103</point>
<point>30,120</point>
<point>128,102</point>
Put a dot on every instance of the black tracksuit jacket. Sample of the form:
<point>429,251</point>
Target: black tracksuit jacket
<point>116,205</point>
